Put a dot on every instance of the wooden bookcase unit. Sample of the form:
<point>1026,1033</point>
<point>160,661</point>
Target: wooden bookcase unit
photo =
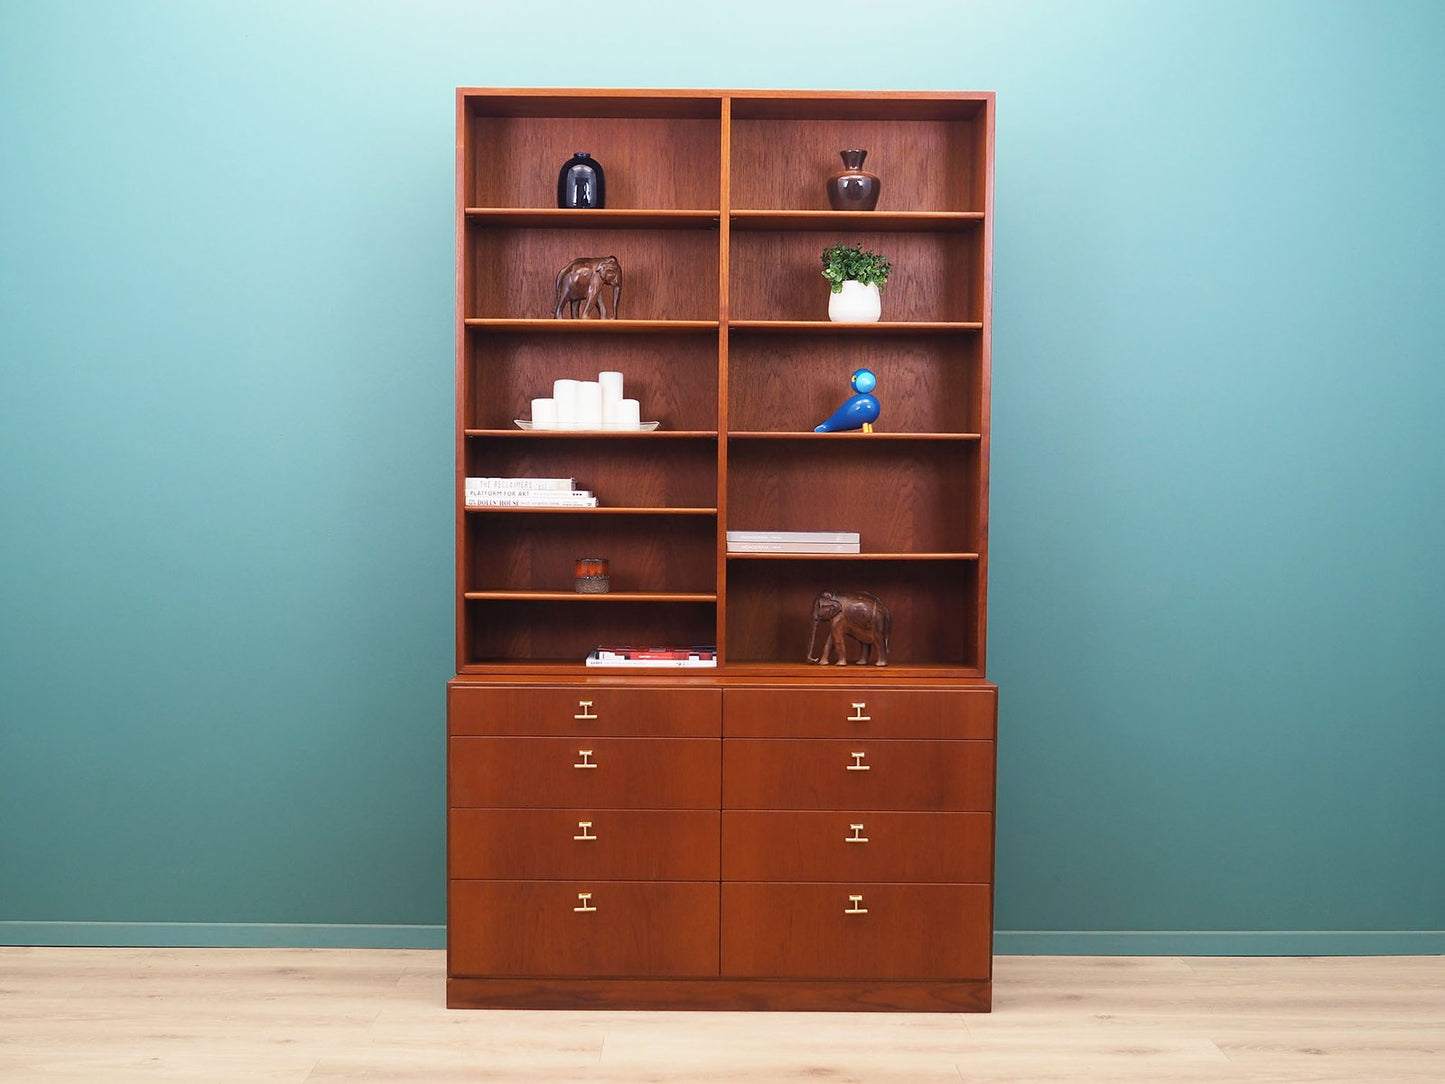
<point>768,834</point>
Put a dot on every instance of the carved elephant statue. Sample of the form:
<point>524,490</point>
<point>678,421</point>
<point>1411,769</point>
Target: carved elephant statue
<point>858,614</point>
<point>581,283</point>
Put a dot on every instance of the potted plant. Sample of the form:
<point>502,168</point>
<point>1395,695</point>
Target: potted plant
<point>857,278</point>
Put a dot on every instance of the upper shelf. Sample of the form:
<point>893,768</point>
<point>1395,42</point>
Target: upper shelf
<point>604,218</point>
<point>879,327</point>
<point>935,221</point>
<point>590,327</point>
<point>740,219</point>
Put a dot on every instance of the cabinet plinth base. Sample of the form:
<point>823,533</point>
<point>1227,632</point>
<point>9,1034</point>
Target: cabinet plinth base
<point>720,995</point>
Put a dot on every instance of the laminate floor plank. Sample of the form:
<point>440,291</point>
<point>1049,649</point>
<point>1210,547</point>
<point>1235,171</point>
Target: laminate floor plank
<point>304,1016</point>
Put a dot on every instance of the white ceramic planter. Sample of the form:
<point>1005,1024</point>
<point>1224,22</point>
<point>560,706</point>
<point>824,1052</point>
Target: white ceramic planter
<point>855,304</point>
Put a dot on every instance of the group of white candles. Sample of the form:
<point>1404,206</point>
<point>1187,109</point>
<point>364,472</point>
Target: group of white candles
<point>587,404</point>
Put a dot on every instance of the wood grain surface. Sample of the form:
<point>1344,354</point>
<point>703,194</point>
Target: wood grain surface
<point>80,1015</point>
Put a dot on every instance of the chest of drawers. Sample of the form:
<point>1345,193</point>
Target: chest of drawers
<point>721,845</point>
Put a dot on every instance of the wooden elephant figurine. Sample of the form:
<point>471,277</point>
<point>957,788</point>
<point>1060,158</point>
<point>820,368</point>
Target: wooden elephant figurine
<point>858,614</point>
<point>581,283</point>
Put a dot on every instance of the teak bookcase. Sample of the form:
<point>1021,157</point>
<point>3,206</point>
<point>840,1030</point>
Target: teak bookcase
<point>769,834</point>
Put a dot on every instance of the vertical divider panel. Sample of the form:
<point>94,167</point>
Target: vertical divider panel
<point>724,309</point>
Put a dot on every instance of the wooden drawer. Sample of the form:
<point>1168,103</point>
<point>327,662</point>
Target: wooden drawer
<point>897,931</point>
<point>583,710</point>
<point>656,929</point>
<point>857,847</point>
<point>578,773</point>
<point>860,712</point>
<point>614,844</point>
<point>760,773</point>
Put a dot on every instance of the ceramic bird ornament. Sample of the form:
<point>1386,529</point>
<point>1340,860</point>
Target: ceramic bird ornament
<point>858,411</point>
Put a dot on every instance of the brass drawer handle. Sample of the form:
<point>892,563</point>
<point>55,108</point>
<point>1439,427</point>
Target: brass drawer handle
<point>586,755</point>
<point>858,765</point>
<point>585,710</point>
<point>586,827</point>
<point>858,716</point>
<point>855,906</point>
<point>585,899</point>
<point>857,836</point>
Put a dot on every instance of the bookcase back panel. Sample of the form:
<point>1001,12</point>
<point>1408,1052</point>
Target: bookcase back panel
<point>535,631</point>
<point>639,471</point>
<point>790,383</point>
<point>527,551</point>
<point>899,496</point>
<point>932,603</point>
<point>656,164</point>
<point>666,274</point>
<point>673,377</point>
<point>778,275</point>
<point>922,165</point>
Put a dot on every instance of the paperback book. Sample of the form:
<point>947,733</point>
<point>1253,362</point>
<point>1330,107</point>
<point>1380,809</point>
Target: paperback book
<point>793,542</point>
<point>626,655</point>
<point>526,493</point>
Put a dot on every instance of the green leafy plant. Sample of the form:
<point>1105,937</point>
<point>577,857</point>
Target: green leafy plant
<point>843,262</point>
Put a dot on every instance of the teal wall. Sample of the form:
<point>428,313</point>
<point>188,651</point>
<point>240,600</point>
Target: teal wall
<point>1217,606</point>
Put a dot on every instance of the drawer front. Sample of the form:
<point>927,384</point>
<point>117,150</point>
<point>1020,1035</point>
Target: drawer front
<point>583,710</point>
<point>580,773</point>
<point>584,928</point>
<point>610,844</point>
<point>865,774</point>
<point>830,931</point>
<point>860,712</point>
<point>857,847</point>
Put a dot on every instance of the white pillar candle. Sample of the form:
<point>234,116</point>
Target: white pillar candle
<point>629,415</point>
<point>544,413</point>
<point>611,395</point>
<point>589,405</point>
<point>564,393</point>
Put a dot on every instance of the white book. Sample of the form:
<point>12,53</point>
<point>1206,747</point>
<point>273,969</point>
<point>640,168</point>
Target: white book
<point>527,483</point>
<point>794,547</point>
<point>522,491</point>
<point>594,660</point>
<point>551,500</point>
<point>849,537</point>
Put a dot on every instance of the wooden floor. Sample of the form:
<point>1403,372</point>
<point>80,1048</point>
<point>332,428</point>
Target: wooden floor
<point>204,1015</point>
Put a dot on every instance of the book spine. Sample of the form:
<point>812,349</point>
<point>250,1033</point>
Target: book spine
<point>521,483</point>
<point>523,491</point>
<point>558,501</point>
<point>678,664</point>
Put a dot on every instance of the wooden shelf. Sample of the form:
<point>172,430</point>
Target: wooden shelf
<point>578,596</point>
<point>850,436</point>
<point>881,327</point>
<point>589,327</point>
<point>733,555</point>
<point>600,510</point>
<point>600,218</point>
<point>853,674</point>
<point>866,221</point>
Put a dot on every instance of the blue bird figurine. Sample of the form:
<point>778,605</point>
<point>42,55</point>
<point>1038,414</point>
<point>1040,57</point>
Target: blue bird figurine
<point>858,411</point>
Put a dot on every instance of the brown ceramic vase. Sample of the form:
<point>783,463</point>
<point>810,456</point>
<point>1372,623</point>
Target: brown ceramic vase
<point>853,188</point>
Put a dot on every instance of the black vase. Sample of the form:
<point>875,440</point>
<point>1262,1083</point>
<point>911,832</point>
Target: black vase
<point>853,188</point>
<point>582,182</point>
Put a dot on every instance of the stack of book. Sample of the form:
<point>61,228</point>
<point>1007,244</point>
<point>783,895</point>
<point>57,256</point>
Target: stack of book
<point>527,493</point>
<point>653,656</point>
<point>793,542</point>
